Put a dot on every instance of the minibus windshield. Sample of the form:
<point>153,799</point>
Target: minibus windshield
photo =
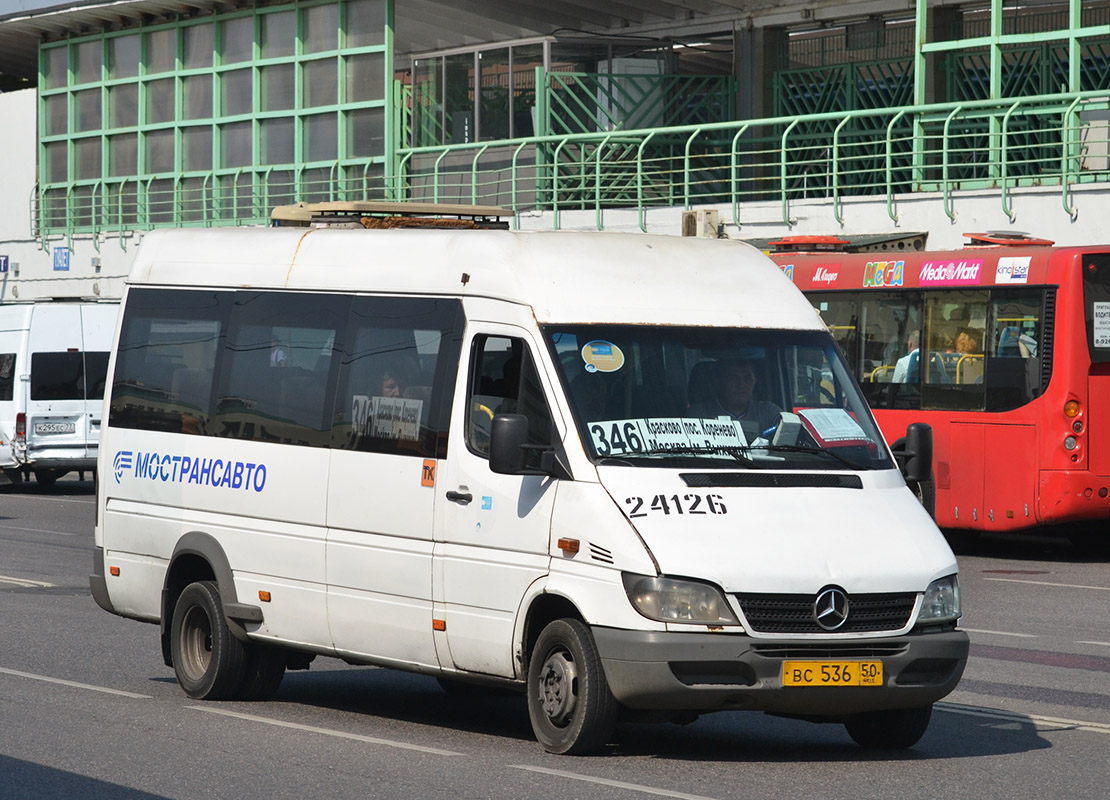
<point>648,395</point>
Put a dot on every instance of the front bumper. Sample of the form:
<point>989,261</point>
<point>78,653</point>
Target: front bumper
<point>704,672</point>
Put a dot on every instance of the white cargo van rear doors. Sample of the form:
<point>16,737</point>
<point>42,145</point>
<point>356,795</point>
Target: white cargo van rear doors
<point>492,530</point>
<point>68,347</point>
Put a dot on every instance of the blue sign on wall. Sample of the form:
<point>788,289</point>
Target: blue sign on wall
<point>61,259</point>
<point>3,263</point>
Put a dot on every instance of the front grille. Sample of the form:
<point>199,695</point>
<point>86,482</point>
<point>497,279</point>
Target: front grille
<point>793,613</point>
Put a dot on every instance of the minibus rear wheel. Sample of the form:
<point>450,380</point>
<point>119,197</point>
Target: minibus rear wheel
<point>889,730</point>
<point>569,702</point>
<point>208,660</point>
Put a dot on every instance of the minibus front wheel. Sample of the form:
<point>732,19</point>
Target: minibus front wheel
<point>569,702</point>
<point>889,730</point>
<point>210,663</point>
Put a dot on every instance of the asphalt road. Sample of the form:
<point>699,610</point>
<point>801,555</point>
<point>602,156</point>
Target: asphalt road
<point>88,710</point>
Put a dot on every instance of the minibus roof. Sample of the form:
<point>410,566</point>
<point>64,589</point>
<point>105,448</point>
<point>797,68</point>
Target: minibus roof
<point>564,276</point>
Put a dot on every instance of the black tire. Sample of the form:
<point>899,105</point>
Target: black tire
<point>889,730</point>
<point>926,494</point>
<point>47,477</point>
<point>569,702</point>
<point>210,663</point>
<point>264,670</point>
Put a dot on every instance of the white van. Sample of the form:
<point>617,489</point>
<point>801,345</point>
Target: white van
<point>53,362</point>
<point>628,475</point>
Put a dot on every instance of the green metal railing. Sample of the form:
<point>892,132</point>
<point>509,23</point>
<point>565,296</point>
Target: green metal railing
<point>1041,140</point>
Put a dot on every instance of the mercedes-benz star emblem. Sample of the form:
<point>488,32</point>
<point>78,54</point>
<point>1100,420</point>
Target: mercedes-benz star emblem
<point>830,609</point>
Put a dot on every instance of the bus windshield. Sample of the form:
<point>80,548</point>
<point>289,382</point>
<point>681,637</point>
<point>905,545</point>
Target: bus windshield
<point>715,397</point>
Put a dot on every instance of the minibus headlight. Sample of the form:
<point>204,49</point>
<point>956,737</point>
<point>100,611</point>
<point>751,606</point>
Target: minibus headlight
<point>942,600</point>
<point>673,600</point>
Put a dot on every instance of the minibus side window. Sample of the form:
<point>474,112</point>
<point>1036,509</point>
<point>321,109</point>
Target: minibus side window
<point>504,380</point>
<point>7,375</point>
<point>397,377</point>
<point>275,380</point>
<point>168,345</point>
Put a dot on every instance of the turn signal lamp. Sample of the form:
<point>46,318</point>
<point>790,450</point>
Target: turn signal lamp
<point>113,571</point>
<point>1071,409</point>
<point>569,546</point>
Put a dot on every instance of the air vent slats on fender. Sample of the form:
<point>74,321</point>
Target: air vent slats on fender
<point>598,553</point>
<point>771,480</point>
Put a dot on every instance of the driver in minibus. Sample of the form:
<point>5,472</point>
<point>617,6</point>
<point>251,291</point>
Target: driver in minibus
<point>736,382</point>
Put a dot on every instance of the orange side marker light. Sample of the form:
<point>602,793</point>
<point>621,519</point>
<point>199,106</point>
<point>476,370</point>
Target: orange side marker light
<point>569,546</point>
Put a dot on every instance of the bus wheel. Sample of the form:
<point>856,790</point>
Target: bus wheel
<point>265,667</point>
<point>569,702</point>
<point>889,730</point>
<point>208,660</point>
<point>926,494</point>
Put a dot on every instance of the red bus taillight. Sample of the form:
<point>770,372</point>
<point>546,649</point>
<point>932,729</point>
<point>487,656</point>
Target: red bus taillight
<point>21,427</point>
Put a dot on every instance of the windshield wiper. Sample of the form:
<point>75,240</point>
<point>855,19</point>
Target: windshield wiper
<point>738,453</point>
<point>793,448</point>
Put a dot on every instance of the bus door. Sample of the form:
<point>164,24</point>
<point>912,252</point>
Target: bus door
<point>400,361</point>
<point>493,533</point>
<point>98,324</point>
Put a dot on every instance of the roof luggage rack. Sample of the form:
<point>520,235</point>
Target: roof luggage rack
<point>858,243</point>
<point>1005,239</point>
<point>382,214</point>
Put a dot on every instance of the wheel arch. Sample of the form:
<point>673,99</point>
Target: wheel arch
<point>199,557</point>
<point>545,608</point>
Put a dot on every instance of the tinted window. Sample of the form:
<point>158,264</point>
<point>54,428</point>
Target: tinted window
<point>397,376</point>
<point>277,370</point>
<point>167,353</point>
<point>7,375</point>
<point>57,376</point>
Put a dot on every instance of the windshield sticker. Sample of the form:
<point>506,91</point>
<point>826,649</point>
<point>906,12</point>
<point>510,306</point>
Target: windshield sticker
<point>1101,325</point>
<point>387,417</point>
<point>602,356</point>
<point>1014,269</point>
<point>830,425</point>
<point>951,273</point>
<point>660,434</point>
<point>668,504</point>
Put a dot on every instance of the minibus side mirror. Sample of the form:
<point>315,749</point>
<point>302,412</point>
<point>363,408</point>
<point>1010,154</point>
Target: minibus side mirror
<point>507,436</point>
<point>916,460</point>
<point>508,448</point>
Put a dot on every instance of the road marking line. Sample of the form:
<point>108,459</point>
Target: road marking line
<point>25,583</point>
<point>1100,644</point>
<point>635,787</point>
<point>1056,723</point>
<point>326,731</point>
<point>37,530</point>
<point>1047,583</point>
<point>1001,633</point>
<point>74,684</point>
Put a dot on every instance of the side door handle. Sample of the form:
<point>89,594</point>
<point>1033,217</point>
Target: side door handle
<point>460,497</point>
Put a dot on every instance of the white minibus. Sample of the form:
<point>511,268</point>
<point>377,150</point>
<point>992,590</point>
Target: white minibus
<point>53,362</point>
<point>629,476</point>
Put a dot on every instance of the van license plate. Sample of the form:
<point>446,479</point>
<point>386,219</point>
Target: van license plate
<point>832,673</point>
<point>55,427</point>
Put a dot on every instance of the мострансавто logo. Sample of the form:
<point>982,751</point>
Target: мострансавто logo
<point>186,469</point>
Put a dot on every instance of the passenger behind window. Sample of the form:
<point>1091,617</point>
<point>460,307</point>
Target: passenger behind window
<point>905,369</point>
<point>736,382</point>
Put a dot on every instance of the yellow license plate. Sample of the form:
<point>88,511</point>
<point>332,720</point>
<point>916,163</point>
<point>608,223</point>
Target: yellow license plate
<point>832,673</point>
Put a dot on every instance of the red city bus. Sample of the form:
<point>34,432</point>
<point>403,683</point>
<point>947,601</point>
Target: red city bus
<point>1002,347</point>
